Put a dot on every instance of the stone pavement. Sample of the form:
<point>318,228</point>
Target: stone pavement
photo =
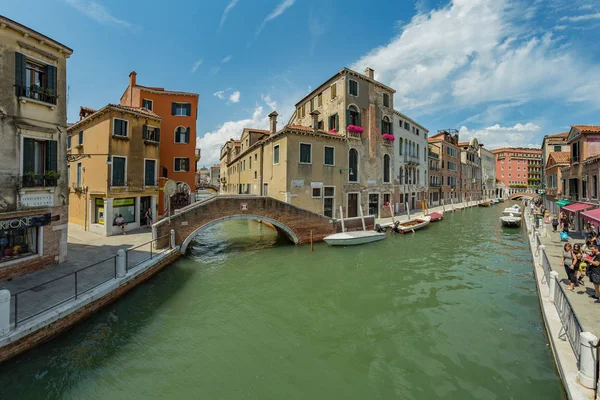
<point>587,311</point>
<point>418,213</point>
<point>85,249</point>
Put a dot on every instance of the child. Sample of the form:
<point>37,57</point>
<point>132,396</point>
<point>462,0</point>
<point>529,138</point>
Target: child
<point>554,223</point>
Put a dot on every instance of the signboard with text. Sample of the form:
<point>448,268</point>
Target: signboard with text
<point>37,200</point>
<point>25,222</point>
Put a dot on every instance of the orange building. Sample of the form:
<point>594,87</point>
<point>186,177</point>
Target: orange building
<point>178,154</point>
<point>518,168</point>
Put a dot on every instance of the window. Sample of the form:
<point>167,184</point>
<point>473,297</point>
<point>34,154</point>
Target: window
<point>39,159</point>
<point>80,138</point>
<point>353,87</point>
<point>182,164</point>
<point>316,192</point>
<point>255,175</point>
<point>321,125</point>
<point>557,148</point>
<point>255,157</point>
<point>387,199</point>
<point>68,175</point>
<point>451,152</point>
<point>334,91</point>
<point>386,100</point>
<point>181,109</point>
<point>149,172</point>
<point>126,208</point>
<point>35,80</point>
<point>18,243</point>
<point>400,147</point>
<point>147,104</point>
<point>386,168</point>
<point>328,201</point>
<point>386,126</point>
<point>303,110</point>
<point>353,116</point>
<point>119,171</point>
<point>151,133</point>
<point>320,99</point>
<point>451,166</point>
<point>69,141</point>
<point>182,135</point>
<point>120,127</point>
<point>353,165</point>
<point>329,156</point>
<point>250,163</point>
<point>595,186</point>
<point>401,177</point>
<point>575,152</point>
<point>79,177</point>
<point>312,104</point>
<point>305,153</point>
<point>334,122</point>
<point>276,154</point>
<point>406,126</point>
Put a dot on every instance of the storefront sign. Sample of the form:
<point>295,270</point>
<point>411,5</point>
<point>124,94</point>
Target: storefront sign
<point>244,206</point>
<point>29,221</point>
<point>99,202</point>
<point>37,200</point>
<point>123,202</point>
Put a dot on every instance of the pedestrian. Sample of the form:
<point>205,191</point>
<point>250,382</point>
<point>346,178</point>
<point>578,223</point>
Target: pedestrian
<point>594,271</point>
<point>120,222</point>
<point>567,260</point>
<point>554,223</point>
<point>578,258</point>
<point>148,216</point>
<point>564,223</point>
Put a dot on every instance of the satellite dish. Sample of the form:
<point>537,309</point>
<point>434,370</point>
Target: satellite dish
<point>170,188</point>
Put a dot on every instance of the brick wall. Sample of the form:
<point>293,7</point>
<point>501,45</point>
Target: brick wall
<point>52,243</point>
<point>50,331</point>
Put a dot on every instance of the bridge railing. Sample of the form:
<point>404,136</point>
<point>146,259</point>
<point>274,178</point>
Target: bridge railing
<point>146,251</point>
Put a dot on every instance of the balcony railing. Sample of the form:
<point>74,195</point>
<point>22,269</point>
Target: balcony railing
<point>412,159</point>
<point>434,155</point>
<point>37,93</point>
<point>435,185</point>
<point>198,153</point>
<point>38,181</point>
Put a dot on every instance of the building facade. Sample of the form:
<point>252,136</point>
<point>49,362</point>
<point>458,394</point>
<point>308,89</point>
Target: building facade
<point>470,167</point>
<point>581,178</point>
<point>488,172</point>
<point>214,175</point>
<point>554,187</point>
<point>410,161</point>
<point>518,169</point>
<point>554,144</point>
<point>121,178</point>
<point>178,154</point>
<point>33,125</point>
<point>450,174</point>
<point>435,177</point>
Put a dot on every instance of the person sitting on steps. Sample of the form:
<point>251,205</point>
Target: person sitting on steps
<point>119,221</point>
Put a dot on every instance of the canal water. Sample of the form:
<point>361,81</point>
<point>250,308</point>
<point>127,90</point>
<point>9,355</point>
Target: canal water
<point>450,312</point>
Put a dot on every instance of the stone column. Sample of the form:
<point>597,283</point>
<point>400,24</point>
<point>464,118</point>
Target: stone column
<point>552,285</point>
<point>109,215</point>
<point>172,238</point>
<point>587,359</point>
<point>541,251</point>
<point>4,312</point>
<point>121,263</point>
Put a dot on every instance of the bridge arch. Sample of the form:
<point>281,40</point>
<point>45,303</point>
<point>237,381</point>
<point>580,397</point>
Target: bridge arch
<point>287,231</point>
<point>522,195</point>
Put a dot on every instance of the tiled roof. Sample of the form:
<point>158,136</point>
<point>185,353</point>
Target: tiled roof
<point>560,157</point>
<point>588,128</point>
<point>216,166</point>
<point>309,129</point>
<point>265,131</point>
<point>140,110</point>
<point>87,109</point>
<point>559,135</point>
<point>159,90</point>
<point>463,144</point>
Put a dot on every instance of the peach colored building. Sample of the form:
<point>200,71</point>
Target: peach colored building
<point>178,153</point>
<point>449,164</point>
<point>518,169</point>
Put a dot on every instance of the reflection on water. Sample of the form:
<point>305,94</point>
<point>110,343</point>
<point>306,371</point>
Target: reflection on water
<point>447,313</point>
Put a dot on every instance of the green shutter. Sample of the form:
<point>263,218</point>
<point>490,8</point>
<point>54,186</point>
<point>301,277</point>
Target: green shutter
<point>69,142</point>
<point>20,73</point>
<point>188,109</point>
<point>187,164</point>
<point>28,155</point>
<point>177,164</point>
<point>51,82</point>
<point>187,135</point>
<point>145,132</point>
<point>147,176</point>
<point>359,121</point>
<point>337,122</point>
<point>173,107</point>
<point>329,124</point>
<point>157,130</point>
<point>391,128</point>
<point>348,117</point>
<point>51,155</point>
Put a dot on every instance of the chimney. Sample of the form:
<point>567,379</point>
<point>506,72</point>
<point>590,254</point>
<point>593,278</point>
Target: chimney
<point>315,117</point>
<point>132,77</point>
<point>273,122</point>
<point>370,73</point>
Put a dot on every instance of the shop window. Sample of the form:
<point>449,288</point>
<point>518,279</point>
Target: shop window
<point>125,208</point>
<point>19,243</point>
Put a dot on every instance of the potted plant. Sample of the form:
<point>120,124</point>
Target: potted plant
<point>388,137</point>
<point>51,177</point>
<point>332,131</point>
<point>29,178</point>
<point>355,129</point>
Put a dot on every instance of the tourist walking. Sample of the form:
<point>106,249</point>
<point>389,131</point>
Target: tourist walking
<point>148,216</point>
<point>567,260</point>
<point>554,223</point>
<point>577,261</point>
<point>564,223</point>
<point>594,271</point>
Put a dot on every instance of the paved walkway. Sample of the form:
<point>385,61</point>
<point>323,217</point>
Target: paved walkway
<point>44,289</point>
<point>403,217</point>
<point>586,310</point>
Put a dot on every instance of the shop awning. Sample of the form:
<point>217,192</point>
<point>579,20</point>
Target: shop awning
<point>592,216</point>
<point>562,203</point>
<point>576,207</point>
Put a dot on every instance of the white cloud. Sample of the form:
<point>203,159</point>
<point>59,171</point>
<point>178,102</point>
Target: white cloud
<point>99,13</point>
<point>496,136</point>
<point>271,103</point>
<point>491,54</point>
<point>235,97</point>
<point>220,94</point>
<point>226,12</point>
<point>277,11</point>
<point>196,65</point>
<point>316,28</point>
<point>585,17</point>
<point>226,59</point>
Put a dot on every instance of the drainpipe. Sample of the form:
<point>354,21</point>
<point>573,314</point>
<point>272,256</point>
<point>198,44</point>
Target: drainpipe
<point>260,171</point>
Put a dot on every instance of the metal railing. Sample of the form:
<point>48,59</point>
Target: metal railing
<point>34,301</point>
<point>37,92</point>
<point>571,327</point>
<point>546,267</point>
<point>144,252</point>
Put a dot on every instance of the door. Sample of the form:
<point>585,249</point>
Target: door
<point>265,189</point>
<point>413,204</point>
<point>329,201</point>
<point>374,204</point>
<point>352,210</point>
<point>145,204</point>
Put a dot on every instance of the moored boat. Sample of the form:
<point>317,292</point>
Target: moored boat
<point>515,210</point>
<point>484,204</point>
<point>510,220</point>
<point>353,238</point>
<point>413,224</point>
<point>436,216</point>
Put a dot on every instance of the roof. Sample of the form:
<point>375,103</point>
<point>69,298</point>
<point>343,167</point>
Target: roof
<point>463,144</point>
<point>303,128</point>
<point>157,90</point>
<point>587,128</point>
<point>216,166</point>
<point>412,121</point>
<point>560,157</point>
<point>559,135</point>
<point>265,131</point>
<point>17,26</point>
<point>144,112</point>
<point>87,109</point>
<point>521,149</point>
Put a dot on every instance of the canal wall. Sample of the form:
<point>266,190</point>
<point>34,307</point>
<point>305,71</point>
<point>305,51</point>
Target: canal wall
<point>565,360</point>
<point>50,324</point>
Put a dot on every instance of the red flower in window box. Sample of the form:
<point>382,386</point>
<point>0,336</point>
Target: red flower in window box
<point>355,129</point>
<point>387,136</point>
<point>332,131</point>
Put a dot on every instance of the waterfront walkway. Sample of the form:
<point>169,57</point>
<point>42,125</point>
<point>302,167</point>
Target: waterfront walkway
<point>403,217</point>
<point>84,249</point>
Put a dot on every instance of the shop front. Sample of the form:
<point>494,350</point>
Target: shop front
<point>574,211</point>
<point>105,211</point>
<point>21,237</point>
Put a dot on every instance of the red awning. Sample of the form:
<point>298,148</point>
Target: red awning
<point>592,216</point>
<point>576,207</point>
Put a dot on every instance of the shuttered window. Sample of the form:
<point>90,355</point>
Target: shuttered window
<point>120,127</point>
<point>150,172</point>
<point>181,109</point>
<point>80,137</point>
<point>305,153</point>
<point>276,154</point>
<point>69,142</point>
<point>334,91</point>
<point>119,165</point>
<point>386,100</point>
<point>353,87</point>
<point>182,164</point>
<point>182,135</point>
<point>329,156</point>
<point>35,80</point>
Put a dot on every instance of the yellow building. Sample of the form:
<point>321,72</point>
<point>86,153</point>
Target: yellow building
<point>302,166</point>
<point>114,154</point>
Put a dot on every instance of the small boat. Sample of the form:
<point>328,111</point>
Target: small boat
<point>484,204</point>
<point>412,225</point>
<point>510,220</point>
<point>501,200</point>
<point>495,201</point>
<point>436,216</point>
<point>516,210</point>
<point>353,238</point>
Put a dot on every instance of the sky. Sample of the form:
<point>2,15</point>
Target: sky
<point>505,71</point>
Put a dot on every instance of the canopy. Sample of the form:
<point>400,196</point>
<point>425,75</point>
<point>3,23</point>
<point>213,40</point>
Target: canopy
<point>562,203</point>
<point>592,216</point>
<point>576,207</point>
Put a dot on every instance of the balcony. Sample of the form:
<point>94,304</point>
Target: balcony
<point>37,93</point>
<point>411,159</point>
<point>198,155</point>
<point>433,155</point>
<point>435,185</point>
<point>32,181</point>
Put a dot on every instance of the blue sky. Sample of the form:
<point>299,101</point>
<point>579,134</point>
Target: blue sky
<point>505,71</point>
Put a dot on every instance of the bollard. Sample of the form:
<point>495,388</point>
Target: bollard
<point>4,312</point>
<point>552,285</point>
<point>541,251</point>
<point>587,359</point>
<point>172,238</point>
<point>121,263</point>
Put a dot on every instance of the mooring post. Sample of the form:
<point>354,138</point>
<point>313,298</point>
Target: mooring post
<point>587,359</point>
<point>541,252</point>
<point>311,240</point>
<point>172,238</point>
<point>121,263</point>
<point>4,312</point>
<point>552,285</point>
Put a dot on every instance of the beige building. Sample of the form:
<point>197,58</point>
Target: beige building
<point>435,177</point>
<point>470,167</point>
<point>488,172</point>
<point>450,174</point>
<point>33,125</point>
<point>121,175</point>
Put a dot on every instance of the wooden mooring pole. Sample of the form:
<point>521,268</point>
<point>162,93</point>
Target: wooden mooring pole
<point>311,241</point>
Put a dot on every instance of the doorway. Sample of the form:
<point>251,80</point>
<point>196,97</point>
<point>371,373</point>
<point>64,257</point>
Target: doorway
<point>145,204</point>
<point>352,209</point>
<point>265,189</point>
<point>374,204</point>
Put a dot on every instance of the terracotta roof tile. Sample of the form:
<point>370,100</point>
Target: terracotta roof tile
<point>140,110</point>
<point>587,128</point>
<point>559,135</point>
<point>309,129</point>
<point>87,109</point>
<point>560,157</point>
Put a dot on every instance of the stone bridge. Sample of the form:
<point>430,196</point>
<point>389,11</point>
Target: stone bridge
<point>293,222</point>
<point>205,185</point>
<point>523,195</point>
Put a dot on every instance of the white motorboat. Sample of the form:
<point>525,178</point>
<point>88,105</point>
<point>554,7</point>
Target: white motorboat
<point>495,201</point>
<point>413,224</point>
<point>510,220</point>
<point>515,210</point>
<point>353,238</point>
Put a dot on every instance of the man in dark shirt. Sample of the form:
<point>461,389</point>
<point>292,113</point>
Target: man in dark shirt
<point>594,270</point>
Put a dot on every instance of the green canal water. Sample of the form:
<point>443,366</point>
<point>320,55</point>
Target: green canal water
<point>450,312</point>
